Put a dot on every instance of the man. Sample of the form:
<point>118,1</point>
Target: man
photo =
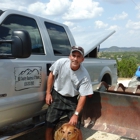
<point>69,78</point>
<point>135,80</point>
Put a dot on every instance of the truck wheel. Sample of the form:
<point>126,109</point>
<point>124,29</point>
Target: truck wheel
<point>107,79</point>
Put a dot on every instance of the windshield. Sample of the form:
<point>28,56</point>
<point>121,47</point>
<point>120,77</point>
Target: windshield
<point>1,12</point>
<point>5,48</point>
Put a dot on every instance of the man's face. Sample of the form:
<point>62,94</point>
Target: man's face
<point>76,59</point>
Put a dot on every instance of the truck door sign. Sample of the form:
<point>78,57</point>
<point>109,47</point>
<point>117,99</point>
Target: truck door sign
<point>27,77</point>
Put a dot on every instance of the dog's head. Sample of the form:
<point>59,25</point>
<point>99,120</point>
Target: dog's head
<point>67,132</point>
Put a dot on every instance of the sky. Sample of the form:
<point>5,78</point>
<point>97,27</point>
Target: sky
<point>88,20</point>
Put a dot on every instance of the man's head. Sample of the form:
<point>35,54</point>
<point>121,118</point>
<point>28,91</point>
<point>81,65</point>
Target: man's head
<point>76,57</point>
<point>77,48</point>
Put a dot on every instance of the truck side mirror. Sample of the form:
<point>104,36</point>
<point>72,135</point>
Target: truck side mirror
<point>21,44</point>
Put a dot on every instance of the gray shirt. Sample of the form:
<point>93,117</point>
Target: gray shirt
<point>68,82</point>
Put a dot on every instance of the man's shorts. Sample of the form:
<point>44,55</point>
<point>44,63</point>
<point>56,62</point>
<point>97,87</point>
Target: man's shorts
<point>60,107</point>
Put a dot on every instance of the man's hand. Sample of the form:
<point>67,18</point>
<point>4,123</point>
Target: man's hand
<point>49,99</point>
<point>73,120</point>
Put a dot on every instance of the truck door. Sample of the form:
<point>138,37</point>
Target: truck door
<point>22,81</point>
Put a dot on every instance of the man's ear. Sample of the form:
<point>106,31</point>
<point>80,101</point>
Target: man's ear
<point>70,56</point>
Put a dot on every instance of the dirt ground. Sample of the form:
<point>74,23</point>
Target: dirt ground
<point>88,134</point>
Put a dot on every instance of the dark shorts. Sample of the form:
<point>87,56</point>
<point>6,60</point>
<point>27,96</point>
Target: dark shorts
<point>61,106</point>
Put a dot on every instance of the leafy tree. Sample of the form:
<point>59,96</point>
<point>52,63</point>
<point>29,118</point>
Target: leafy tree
<point>127,62</point>
<point>127,67</point>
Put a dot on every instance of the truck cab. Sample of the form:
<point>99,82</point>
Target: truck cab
<point>28,46</point>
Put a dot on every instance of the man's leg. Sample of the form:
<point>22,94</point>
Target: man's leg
<point>80,135</point>
<point>49,134</point>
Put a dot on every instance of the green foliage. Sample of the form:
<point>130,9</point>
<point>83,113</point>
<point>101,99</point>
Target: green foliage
<point>127,62</point>
<point>127,67</point>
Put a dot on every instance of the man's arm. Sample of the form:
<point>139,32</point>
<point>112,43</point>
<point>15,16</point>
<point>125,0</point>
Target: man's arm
<point>80,105</point>
<point>50,82</point>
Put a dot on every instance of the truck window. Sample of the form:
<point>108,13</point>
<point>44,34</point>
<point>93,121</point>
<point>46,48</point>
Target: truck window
<point>59,39</point>
<point>1,12</point>
<point>14,22</point>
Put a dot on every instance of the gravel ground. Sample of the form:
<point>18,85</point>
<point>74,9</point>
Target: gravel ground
<point>88,134</point>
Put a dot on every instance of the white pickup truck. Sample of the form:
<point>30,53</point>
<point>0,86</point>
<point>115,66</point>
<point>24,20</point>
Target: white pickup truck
<point>28,46</point>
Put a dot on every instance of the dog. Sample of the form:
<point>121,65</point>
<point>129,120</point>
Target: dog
<point>67,132</point>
